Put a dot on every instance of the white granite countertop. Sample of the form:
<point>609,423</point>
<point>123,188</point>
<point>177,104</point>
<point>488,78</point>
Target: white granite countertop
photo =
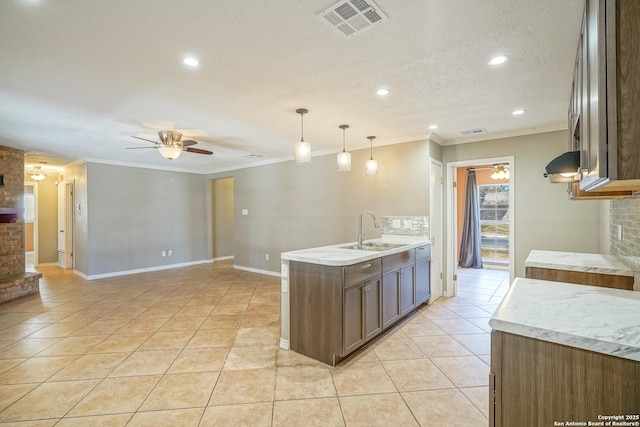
<point>335,255</point>
<point>574,261</point>
<point>588,317</point>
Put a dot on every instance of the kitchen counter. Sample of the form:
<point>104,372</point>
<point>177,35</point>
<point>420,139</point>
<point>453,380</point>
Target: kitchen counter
<point>336,255</point>
<point>601,320</point>
<point>574,261</point>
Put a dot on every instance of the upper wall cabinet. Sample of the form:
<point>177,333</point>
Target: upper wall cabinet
<point>604,111</point>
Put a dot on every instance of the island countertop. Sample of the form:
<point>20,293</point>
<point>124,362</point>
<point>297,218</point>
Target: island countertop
<point>575,261</point>
<point>596,319</point>
<point>336,255</point>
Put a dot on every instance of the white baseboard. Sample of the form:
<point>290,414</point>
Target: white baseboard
<point>223,258</point>
<point>284,344</point>
<point>256,270</point>
<point>141,270</point>
<point>47,264</point>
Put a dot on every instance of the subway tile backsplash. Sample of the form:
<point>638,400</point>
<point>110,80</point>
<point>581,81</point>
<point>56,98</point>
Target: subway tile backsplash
<point>626,213</point>
<point>405,225</point>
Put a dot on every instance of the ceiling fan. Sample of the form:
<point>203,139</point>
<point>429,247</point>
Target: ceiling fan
<point>171,144</point>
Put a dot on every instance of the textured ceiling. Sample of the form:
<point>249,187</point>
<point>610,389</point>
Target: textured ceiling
<point>78,77</point>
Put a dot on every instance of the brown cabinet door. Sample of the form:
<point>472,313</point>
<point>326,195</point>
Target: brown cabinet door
<point>353,325</point>
<point>390,298</point>
<point>372,308</point>
<point>423,280</point>
<point>407,290</point>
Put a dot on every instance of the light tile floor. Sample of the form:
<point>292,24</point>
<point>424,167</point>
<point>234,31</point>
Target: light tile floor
<point>198,346</point>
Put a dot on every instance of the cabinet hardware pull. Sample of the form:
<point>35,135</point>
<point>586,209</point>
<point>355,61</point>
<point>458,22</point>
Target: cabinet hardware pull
<point>364,267</point>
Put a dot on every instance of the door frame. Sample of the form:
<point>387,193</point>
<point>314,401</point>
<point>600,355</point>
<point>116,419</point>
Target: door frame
<point>433,204</point>
<point>452,216</point>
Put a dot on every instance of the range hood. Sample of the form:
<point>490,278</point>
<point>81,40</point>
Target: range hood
<point>564,168</point>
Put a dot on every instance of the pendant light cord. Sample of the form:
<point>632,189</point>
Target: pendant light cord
<point>343,143</point>
<point>301,127</point>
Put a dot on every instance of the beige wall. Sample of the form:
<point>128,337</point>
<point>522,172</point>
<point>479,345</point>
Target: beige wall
<point>544,216</point>
<point>294,207</point>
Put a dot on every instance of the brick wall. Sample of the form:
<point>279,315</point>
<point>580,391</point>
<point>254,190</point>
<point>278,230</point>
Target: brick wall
<point>11,196</point>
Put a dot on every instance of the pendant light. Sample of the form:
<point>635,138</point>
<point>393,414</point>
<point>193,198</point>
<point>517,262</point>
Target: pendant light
<point>344,158</point>
<point>302,150</point>
<point>371,166</point>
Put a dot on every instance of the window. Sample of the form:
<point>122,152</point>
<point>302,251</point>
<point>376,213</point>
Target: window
<point>494,222</point>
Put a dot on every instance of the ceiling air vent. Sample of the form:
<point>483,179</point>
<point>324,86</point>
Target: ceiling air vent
<point>476,131</point>
<point>352,16</point>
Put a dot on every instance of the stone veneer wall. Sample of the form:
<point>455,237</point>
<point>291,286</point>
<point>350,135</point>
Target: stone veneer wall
<point>11,196</point>
<point>409,225</point>
<point>626,212</point>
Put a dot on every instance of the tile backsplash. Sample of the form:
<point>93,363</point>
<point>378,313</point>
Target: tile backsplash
<point>625,219</point>
<point>405,225</point>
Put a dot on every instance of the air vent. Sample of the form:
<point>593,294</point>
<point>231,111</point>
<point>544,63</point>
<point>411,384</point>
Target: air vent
<point>476,131</point>
<point>352,16</point>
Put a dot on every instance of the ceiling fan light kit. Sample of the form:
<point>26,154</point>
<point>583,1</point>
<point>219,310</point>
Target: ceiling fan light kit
<point>171,145</point>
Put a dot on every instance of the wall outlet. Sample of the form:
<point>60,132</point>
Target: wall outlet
<point>245,211</point>
<point>620,236</point>
<point>396,223</point>
<point>164,253</point>
<point>285,286</point>
<point>170,252</point>
<point>266,257</point>
<point>408,223</point>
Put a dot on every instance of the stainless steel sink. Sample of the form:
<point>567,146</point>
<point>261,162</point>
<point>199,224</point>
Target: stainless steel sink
<point>374,246</point>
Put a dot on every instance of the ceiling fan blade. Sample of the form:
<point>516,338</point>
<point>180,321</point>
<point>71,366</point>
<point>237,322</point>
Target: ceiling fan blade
<point>188,142</point>
<point>138,148</point>
<point>197,151</point>
<point>145,139</point>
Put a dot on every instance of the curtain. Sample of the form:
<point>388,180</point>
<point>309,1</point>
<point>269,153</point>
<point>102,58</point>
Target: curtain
<point>470,254</point>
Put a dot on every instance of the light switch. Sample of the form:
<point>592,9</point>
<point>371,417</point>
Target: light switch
<point>620,232</point>
<point>407,223</point>
<point>245,211</point>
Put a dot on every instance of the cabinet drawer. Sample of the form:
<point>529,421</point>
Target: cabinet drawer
<point>391,262</point>
<point>423,252</point>
<point>356,273</point>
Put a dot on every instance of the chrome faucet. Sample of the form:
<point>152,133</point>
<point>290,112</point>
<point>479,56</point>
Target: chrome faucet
<point>375,224</point>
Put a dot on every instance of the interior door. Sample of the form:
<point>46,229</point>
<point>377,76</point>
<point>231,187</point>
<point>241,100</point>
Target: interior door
<point>435,229</point>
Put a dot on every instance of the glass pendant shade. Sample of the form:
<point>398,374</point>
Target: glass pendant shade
<point>344,159</point>
<point>302,150</point>
<point>344,162</point>
<point>302,153</point>
<point>169,152</point>
<point>371,166</point>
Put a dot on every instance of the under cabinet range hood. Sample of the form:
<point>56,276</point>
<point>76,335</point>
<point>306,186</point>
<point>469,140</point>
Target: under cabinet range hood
<point>564,168</point>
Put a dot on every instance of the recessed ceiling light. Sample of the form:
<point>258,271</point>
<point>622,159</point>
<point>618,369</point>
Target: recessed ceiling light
<point>517,112</point>
<point>383,92</point>
<point>497,60</point>
<point>191,61</point>
<point>252,156</point>
<point>433,127</point>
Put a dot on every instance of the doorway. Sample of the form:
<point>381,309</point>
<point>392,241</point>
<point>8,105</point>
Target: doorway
<point>222,225</point>
<point>30,228</point>
<point>65,224</point>
<point>496,220</point>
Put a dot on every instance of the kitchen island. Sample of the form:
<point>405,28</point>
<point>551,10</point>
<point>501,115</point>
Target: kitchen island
<point>564,352</point>
<point>337,298</point>
<point>581,268</point>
